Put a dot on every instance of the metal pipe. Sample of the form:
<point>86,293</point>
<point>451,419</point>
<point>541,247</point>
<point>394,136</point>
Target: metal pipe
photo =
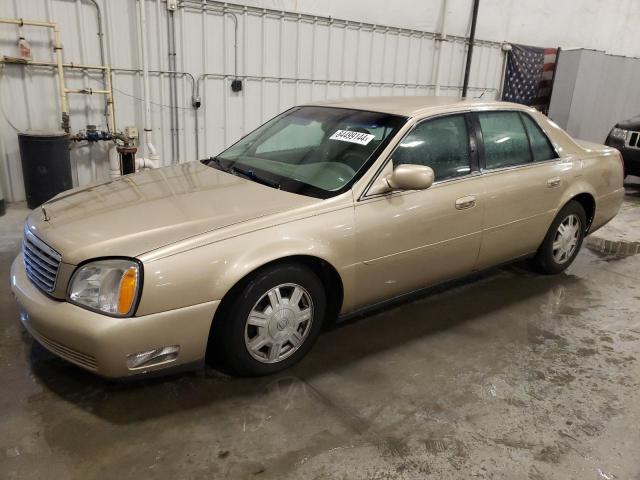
<point>506,48</point>
<point>173,88</point>
<point>80,66</point>
<point>234,17</point>
<point>100,39</point>
<point>20,22</point>
<point>472,37</point>
<point>82,47</point>
<point>419,60</point>
<point>337,82</point>
<point>220,7</point>
<point>87,91</point>
<point>162,72</point>
<point>205,56</point>
<point>111,120</point>
<point>39,63</point>
<point>235,40</point>
<point>440,39</point>
<point>225,97</point>
<point>245,32</point>
<point>295,92</point>
<point>147,146</point>
<point>263,54</point>
<point>280,30</point>
<point>182,66</point>
<point>158,51</point>
<point>100,33</point>
<point>328,58</point>
<point>193,80</point>
<point>57,47</point>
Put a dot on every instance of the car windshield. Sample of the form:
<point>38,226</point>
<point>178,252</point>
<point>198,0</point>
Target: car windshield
<point>315,151</point>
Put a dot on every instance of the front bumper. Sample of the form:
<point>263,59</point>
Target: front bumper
<point>100,343</point>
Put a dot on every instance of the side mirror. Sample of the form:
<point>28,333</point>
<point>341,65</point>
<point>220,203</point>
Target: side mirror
<point>404,177</point>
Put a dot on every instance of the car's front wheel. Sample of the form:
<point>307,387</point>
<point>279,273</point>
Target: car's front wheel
<point>272,323</point>
<point>563,240</point>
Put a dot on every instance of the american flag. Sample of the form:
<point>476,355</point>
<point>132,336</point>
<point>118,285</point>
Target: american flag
<point>529,76</point>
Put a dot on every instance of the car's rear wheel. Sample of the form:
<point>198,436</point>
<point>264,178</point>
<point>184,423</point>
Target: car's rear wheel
<point>272,323</point>
<point>563,240</point>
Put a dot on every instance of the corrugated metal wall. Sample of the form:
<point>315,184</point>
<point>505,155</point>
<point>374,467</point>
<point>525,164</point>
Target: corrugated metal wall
<point>283,58</point>
<point>593,91</point>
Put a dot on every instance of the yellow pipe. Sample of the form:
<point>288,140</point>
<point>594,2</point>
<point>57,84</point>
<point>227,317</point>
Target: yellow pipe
<point>57,47</point>
<point>20,22</point>
<point>88,91</point>
<point>38,63</point>
<point>60,66</point>
<point>112,118</point>
<point>80,66</point>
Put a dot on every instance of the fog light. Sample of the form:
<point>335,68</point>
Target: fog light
<point>153,357</point>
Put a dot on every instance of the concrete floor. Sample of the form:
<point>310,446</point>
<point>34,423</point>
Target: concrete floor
<point>510,375</point>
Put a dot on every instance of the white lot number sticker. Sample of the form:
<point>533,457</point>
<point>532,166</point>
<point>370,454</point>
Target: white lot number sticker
<point>353,137</point>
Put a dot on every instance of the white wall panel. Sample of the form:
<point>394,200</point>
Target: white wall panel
<point>593,92</point>
<point>284,57</point>
<point>604,25</point>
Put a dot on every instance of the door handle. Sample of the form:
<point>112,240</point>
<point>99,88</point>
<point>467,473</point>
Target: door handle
<point>465,202</point>
<point>553,182</point>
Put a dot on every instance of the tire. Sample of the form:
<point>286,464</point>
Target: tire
<point>555,257</point>
<point>236,338</point>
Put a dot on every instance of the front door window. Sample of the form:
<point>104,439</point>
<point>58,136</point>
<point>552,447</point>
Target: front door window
<point>441,143</point>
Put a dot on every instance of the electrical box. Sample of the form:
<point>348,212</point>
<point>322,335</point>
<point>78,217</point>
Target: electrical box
<point>236,85</point>
<point>131,132</point>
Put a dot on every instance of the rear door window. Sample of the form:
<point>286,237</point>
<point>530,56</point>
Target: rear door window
<point>540,145</point>
<point>505,140</point>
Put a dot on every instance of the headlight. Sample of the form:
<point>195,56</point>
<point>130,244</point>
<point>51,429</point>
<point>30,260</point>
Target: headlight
<point>618,133</point>
<point>109,286</point>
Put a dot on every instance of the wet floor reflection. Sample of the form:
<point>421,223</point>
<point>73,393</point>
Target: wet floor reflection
<point>510,366</point>
<point>420,386</point>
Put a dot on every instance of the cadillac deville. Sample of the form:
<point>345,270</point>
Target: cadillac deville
<point>322,212</point>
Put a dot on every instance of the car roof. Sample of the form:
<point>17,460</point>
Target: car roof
<point>410,106</point>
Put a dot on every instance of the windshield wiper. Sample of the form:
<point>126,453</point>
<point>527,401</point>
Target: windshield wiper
<point>217,162</point>
<point>250,174</point>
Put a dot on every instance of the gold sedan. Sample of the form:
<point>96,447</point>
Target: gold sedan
<point>322,212</point>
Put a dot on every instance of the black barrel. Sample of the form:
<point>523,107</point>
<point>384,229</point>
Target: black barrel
<point>46,165</point>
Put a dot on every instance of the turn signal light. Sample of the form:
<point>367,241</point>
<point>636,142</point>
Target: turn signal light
<point>127,291</point>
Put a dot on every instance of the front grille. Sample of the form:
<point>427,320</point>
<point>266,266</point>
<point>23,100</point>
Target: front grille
<point>634,140</point>
<point>40,261</point>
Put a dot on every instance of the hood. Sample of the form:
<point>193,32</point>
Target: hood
<point>630,124</point>
<point>139,213</point>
